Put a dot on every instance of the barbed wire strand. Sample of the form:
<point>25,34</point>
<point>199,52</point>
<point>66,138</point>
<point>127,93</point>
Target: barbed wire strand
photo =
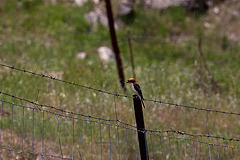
<point>64,111</point>
<point>115,94</point>
<point>109,120</point>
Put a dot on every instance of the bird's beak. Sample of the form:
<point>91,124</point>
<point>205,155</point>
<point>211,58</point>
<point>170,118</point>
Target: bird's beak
<point>127,82</point>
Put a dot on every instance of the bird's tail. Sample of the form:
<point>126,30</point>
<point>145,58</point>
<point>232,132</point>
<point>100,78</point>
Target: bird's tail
<point>143,103</point>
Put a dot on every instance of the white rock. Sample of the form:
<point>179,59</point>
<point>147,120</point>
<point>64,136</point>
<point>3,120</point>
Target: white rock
<point>96,1</point>
<point>125,8</point>
<point>161,4</point>
<point>216,10</point>
<point>105,54</point>
<point>96,17</point>
<point>92,18</point>
<point>102,17</point>
<point>80,2</point>
<point>81,55</point>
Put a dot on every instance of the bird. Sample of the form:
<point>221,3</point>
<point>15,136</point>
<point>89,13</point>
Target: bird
<point>136,88</point>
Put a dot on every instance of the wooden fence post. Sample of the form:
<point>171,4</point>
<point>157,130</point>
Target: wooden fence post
<point>142,141</point>
<point>115,44</point>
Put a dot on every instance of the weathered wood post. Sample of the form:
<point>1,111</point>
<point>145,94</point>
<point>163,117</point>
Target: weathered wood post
<point>115,44</point>
<point>142,141</point>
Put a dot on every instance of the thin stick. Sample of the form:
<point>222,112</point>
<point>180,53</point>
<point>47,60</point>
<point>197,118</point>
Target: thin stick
<point>131,53</point>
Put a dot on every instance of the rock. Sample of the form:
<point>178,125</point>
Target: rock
<point>81,55</point>
<point>92,18</point>
<point>102,17</point>
<point>161,4</point>
<point>105,54</point>
<point>125,8</point>
<point>80,2</point>
<point>96,1</point>
<point>96,17</point>
<point>53,2</point>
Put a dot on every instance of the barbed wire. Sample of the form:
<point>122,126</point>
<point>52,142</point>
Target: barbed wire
<point>64,111</point>
<point>116,125</point>
<point>134,128</point>
<point>117,120</point>
<point>116,94</point>
<point>127,128</point>
<point>196,140</point>
<point>196,135</point>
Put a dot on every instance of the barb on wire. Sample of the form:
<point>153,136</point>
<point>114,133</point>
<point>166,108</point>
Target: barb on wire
<point>118,121</point>
<point>159,133</point>
<point>118,95</point>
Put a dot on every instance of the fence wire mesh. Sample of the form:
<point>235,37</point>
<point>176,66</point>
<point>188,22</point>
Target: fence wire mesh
<point>38,131</point>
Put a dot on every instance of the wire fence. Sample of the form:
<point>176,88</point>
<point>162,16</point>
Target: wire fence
<point>30,130</point>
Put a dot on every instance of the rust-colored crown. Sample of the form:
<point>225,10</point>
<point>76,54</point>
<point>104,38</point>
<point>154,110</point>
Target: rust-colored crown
<point>131,80</point>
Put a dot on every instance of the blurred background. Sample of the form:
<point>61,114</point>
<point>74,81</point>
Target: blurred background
<point>185,52</point>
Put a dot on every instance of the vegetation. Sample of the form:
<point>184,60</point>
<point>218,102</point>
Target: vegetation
<point>45,38</point>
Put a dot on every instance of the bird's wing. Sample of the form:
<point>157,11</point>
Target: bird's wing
<point>138,89</point>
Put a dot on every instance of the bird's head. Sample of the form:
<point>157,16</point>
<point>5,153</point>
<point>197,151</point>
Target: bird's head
<point>131,80</point>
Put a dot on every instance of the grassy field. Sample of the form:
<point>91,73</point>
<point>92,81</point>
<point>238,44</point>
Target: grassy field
<point>45,38</point>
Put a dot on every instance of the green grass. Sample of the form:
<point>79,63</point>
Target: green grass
<point>45,38</point>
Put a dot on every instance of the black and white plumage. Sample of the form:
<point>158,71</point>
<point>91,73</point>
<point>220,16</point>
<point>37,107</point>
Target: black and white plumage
<point>136,88</point>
